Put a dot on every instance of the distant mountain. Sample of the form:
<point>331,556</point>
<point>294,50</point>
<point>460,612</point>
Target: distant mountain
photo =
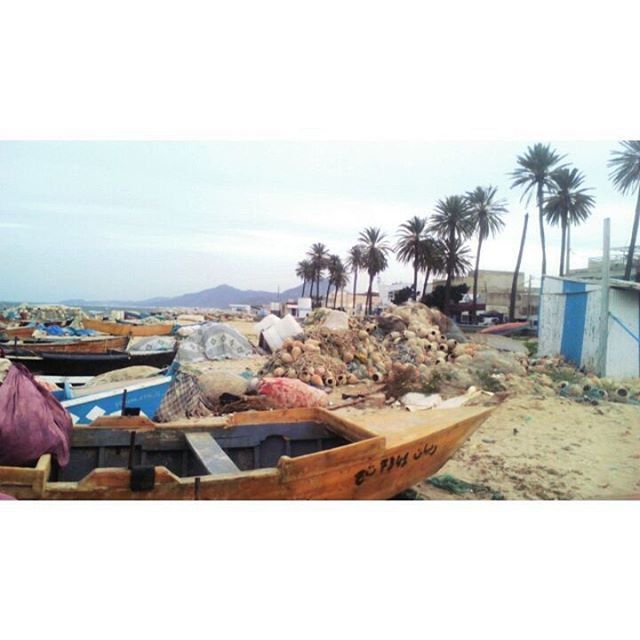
<point>219,297</point>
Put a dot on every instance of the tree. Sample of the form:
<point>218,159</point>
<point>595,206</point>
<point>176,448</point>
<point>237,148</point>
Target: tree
<point>337,276</point>
<point>451,222</point>
<point>459,255</point>
<point>375,250</point>
<point>436,298</point>
<point>305,272</point>
<point>432,260</point>
<point>567,204</point>
<point>514,284</point>
<point>534,172</point>
<point>336,270</point>
<point>355,261</point>
<point>486,217</point>
<point>400,296</point>
<point>409,246</point>
<point>318,255</point>
<point>625,175</point>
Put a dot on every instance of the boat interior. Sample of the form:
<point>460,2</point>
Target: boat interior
<point>198,451</point>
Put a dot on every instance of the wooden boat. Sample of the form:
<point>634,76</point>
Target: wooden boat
<point>85,404</point>
<point>128,328</point>
<point>71,345</point>
<point>289,454</point>
<point>506,328</point>
<point>89,364</point>
<point>19,332</point>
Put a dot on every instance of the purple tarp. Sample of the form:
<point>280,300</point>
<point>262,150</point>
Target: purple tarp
<point>32,421</point>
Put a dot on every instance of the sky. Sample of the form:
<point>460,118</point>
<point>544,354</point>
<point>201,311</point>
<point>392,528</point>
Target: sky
<point>131,220</point>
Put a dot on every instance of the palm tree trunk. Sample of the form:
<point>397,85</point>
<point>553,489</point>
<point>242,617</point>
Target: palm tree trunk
<point>426,280</point>
<point>369,295</point>
<point>318,287</point>
<point>475,281</point>
<point>542,242</point>
<point>447,290</point>
<point>335,297</point>
<point>304,284</point>
<point>632,244</point>
<point>415,280</point>
<point>514,285</point>
<point>326,298</point>
<point>563,247</point>
<point>568,250</point>
<point>355,282</point>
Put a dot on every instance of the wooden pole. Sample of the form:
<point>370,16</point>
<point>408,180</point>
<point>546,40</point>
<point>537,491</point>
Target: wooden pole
<point>604,301</point>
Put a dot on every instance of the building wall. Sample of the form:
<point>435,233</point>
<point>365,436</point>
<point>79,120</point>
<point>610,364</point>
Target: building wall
<point>623,351</point>
<point>569,325</point>
<point>494,289</point>
<point>550,317</point>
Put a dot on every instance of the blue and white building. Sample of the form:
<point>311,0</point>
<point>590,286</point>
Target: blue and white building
<point>569,324</point>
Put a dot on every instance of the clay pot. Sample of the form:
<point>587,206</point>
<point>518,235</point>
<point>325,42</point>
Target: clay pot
<point>316,380</point>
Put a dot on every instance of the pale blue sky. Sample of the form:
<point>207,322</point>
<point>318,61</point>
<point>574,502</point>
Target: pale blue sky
<point>132,220</point>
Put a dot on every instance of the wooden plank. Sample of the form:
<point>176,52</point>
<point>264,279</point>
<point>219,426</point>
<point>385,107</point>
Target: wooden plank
<point>210,454</point>
<point>43,469</point>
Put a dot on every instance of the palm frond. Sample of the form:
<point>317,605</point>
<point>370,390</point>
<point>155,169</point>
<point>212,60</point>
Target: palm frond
<point>625,165</point>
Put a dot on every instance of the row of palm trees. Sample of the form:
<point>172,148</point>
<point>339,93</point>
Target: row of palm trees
<point>562,200</point>
<point>439,246</point>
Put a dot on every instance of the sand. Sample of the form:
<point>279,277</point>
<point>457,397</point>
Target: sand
<point>554,448</point>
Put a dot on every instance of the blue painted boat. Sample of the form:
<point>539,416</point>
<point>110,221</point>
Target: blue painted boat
<point>85,405</point>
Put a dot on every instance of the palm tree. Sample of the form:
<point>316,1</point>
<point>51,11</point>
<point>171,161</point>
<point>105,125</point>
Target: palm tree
<point>305,272</point>
<point>460,256</point>
<point>567,204</point>
<point>375,249</point>
<point>337,276</point>
<point>626,176</point>
<point>450,222</point>
<point>514,284</point>
<point>410,245</point>
<point>534,170</point>
<point>355,261</point>
<point>318,255</point>
<point>432,259</point>
<point>486,215</point>
<point>334,265</point>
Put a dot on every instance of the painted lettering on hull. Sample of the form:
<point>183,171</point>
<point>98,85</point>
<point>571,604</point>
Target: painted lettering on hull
<point>391,463</point>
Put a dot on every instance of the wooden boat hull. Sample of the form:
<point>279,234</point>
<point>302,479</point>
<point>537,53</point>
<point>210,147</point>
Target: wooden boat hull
<point>144,395</point>
<point>90,364</point>
<point>506,328</point>
<point>369,466</point>
<point>84,345</point>
<point>19,332</point>
<point>127,329</point>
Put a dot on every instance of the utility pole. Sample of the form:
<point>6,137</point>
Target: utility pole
<point>604,302</point>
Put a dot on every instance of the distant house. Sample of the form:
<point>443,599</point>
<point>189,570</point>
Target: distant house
<point>494,290</point>
<point>569,324</point>
<point>240,308</point>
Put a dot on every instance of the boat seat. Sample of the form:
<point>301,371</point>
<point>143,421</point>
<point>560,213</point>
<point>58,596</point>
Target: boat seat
<point>210,454</point>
